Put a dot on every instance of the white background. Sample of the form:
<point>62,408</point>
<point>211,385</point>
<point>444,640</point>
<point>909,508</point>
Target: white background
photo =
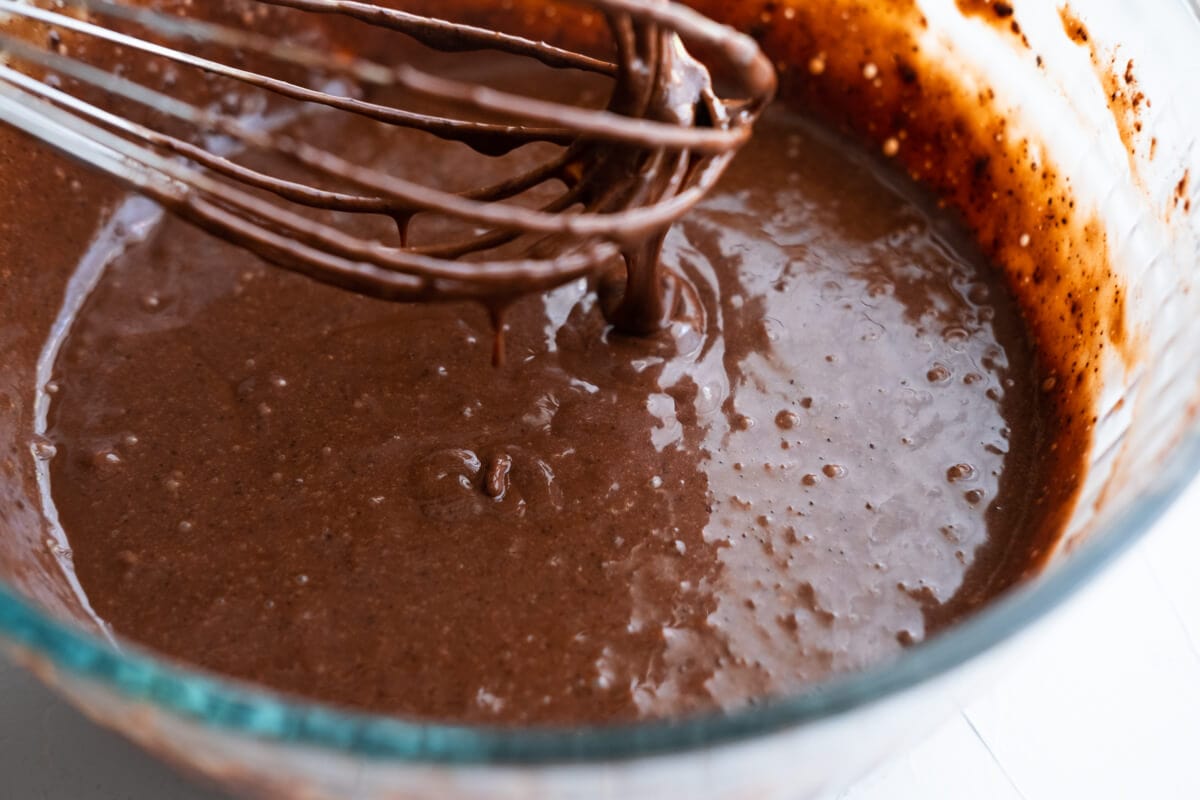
<point>1109,708</point>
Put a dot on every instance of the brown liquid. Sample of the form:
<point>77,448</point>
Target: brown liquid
<point>343,498</point>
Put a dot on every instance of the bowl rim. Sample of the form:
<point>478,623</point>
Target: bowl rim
<point>228,706</point>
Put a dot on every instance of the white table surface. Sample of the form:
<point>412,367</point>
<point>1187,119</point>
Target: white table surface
<point>1109,709</point>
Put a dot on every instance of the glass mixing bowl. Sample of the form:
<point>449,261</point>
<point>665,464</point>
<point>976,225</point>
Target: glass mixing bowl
<point>1130,155</point>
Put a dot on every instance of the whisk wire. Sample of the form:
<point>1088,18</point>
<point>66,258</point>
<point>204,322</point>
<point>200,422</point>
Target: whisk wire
<point>626,171</point>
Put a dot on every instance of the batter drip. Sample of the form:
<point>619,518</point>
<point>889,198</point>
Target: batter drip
<point>343,498</point>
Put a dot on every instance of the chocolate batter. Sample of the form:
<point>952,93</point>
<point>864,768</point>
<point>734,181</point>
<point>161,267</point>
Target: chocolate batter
<point>835,457</point>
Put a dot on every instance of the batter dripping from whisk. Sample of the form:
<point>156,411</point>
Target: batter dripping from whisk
<point>344,498</point>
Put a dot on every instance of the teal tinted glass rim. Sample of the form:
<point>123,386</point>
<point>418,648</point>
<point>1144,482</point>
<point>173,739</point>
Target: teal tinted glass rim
<point>239,709</point>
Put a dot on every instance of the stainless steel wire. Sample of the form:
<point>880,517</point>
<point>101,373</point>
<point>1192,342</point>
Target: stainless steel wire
<point>620,176</point>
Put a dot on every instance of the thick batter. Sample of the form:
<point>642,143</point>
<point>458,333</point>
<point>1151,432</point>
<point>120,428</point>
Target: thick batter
<point>344,498</point>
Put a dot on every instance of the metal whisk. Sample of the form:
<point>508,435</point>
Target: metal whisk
<point>622,175</point>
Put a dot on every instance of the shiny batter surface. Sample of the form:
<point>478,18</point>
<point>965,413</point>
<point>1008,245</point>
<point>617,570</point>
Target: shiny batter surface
<point>345,499</point>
